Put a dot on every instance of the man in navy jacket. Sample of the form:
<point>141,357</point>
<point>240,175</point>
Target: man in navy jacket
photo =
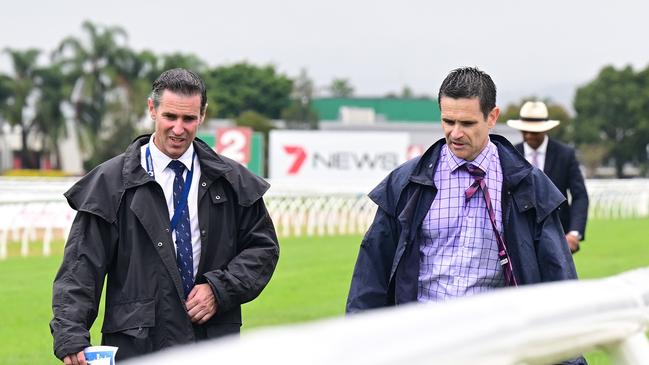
<point>415,251</point>
<point>559,162</point>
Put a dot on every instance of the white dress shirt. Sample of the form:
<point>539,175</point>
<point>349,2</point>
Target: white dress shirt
<point>165,177</point>
<point>540,153</point>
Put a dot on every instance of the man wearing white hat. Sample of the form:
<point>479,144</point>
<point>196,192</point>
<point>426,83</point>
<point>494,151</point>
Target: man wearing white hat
<point>559,162</point>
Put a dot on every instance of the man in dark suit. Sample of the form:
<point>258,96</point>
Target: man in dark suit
<point>559,162</point>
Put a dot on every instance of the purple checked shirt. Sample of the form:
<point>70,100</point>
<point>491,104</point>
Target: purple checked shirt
<point>457,246</point>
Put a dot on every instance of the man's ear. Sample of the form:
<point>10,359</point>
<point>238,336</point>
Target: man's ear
<point>492,118</point>
<point>151,108</point>
<point>204,113</point>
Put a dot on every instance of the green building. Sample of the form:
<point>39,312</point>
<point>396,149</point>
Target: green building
<point>419,110</point>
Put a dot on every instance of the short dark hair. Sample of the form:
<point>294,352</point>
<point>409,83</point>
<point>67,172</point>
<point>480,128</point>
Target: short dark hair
<point>181,81</point>
<point>469,82</point>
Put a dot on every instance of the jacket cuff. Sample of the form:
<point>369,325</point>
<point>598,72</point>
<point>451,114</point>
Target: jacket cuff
<point>222,303</point>
<point>576,234</point>
<point>68,348</point>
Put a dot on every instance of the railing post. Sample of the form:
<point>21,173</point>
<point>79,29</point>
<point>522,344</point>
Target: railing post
<point>632,351</point>
<point>3,243</point>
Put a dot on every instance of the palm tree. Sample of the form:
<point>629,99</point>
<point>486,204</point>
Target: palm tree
<point>49,119</point>
<point>5,94</point>
<point>21,92</point>
<point>91,63</point>
<point>32,100</point>
<point>127,105</point>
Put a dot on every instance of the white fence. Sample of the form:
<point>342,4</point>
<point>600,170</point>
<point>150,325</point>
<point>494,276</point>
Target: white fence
<point>613,198</point>
<point>32,209</point>
<point>540,324</point>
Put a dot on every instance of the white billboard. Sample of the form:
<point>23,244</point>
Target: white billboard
<point>335,155</point>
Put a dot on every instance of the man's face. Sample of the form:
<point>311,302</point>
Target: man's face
<point>465,127</point>
<point>533,139</point>
<point>177,118</point>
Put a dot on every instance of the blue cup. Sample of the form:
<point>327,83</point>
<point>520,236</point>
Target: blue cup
<point>100,355</point>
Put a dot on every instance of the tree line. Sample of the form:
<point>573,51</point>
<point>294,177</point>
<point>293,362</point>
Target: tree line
<point>611,122</point>
<point>99,83</point>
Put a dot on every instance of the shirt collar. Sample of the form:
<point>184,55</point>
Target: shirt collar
<point>481,161</point>
<point>161,161</point>
<point>541,150</point>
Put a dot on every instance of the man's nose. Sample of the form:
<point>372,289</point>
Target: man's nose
<point>178,127</point>
<point>456,132</point>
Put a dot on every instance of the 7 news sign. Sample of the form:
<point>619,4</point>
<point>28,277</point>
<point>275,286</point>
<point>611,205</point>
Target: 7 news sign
<point>335,155</point>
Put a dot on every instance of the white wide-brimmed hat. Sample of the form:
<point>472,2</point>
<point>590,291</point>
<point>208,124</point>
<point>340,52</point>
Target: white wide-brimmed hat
<point>534,118</point>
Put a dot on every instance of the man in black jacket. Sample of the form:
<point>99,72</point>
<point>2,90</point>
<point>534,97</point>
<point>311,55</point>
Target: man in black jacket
<point>181,233</point>
<point>559,162</point>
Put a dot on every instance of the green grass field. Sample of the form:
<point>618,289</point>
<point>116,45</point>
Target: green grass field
<point>311,282</point>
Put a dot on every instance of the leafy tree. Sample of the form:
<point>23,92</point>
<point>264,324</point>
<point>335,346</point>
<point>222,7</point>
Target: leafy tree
<point>180,60</point>
<point>613,109</point>
<point>592,155</point>
<point>301,114</point>
<point>341,88</point>
<point>258,123</point>
<point>407,92</point>
<point>564,132</point>
<point>244,87</point>
<point>254,120</point>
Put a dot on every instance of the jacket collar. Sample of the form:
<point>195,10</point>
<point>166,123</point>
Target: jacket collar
<point>515,168</point>
<point>425,169</point>
<point>133,174</point>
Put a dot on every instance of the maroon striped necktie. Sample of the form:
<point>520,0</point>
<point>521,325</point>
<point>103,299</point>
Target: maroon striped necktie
<point>503,257</point>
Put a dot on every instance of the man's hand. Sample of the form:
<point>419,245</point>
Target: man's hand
<point>201,304</point>
<point>75,359</point>
<point>573,242</point>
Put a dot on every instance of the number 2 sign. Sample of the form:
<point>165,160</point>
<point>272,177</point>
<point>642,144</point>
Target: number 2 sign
<point>234,143</point>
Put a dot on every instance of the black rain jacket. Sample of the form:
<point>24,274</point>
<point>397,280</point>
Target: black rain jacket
<point>121,232</point>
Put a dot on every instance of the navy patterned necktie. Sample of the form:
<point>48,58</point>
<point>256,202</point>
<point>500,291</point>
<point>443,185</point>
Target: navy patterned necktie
<point>503,257</point>
<point>184,251</point>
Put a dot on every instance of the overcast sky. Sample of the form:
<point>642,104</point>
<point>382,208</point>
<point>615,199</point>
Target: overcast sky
<point>545,48</point>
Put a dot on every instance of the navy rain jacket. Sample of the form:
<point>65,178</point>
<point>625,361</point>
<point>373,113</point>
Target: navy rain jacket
<point>387,267</point>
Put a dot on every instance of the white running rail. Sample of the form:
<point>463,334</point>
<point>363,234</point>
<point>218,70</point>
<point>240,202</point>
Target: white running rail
<point>533,325</point>
<point>32,209</point>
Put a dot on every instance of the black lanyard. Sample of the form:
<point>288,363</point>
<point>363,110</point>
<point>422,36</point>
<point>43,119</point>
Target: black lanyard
<point>188,183</point>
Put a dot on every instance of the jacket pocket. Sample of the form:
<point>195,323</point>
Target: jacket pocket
<point>132,318</point>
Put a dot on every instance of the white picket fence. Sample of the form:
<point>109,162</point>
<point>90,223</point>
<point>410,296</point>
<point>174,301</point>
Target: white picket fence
<point>533,325</point>
<point>35,209</point>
